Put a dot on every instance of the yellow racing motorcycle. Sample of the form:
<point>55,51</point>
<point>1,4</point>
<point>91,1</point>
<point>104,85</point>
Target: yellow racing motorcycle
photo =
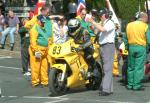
<point>69,68</point>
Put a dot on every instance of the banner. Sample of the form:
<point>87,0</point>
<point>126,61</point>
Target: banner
<point>38,6</point>
<point>81,5</point>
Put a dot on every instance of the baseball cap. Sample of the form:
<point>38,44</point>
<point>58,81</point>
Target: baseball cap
<point>101,12</point>
<point>41,18</point>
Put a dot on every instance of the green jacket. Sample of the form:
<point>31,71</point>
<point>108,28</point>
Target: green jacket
<point>86,25</point>
<point>25,41</point>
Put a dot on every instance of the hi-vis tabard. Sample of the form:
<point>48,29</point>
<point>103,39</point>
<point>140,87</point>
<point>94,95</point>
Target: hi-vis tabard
<point>136,33</point>
<point>44,33</point>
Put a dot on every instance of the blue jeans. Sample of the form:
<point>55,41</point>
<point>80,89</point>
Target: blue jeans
<point>11,31</point>
<point>1,29</point>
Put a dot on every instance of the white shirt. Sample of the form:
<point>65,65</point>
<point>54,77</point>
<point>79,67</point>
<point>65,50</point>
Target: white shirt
<point>107,36</point>
<point>58,38</point>
<point>72,7</point>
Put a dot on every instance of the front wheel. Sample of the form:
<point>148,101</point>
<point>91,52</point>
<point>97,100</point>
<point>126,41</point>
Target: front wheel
<point>95,81</point>
<point>56,86</point>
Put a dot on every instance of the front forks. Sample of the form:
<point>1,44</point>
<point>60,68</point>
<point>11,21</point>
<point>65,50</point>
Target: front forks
<point>63,73</point>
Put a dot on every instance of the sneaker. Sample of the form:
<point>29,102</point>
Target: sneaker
<point>2,46</point>
<point>27,74</point>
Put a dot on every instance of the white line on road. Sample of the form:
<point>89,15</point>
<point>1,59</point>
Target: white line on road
<point>59,97</point>
<point>57,101</point>
<point>12,96</point>
<point>5,57</point>
<point>113,101</point>
<point>37,97</point>
<point>10,67</point>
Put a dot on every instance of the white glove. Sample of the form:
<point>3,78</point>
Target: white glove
<point>37,55</point>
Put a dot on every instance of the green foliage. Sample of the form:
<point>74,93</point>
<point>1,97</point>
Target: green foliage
<point>124,9</point>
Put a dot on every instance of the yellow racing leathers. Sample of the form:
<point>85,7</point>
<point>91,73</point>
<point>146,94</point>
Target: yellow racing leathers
<point>28,25</point>
<point>115,67</point>
<point>38,52</point>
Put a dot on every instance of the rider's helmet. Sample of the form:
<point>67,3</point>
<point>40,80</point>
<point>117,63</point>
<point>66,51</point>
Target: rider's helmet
<point>73,26</point>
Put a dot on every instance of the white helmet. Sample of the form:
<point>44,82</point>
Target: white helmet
<point>73,25</point>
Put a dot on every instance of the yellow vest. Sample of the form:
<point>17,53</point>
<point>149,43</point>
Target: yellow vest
<point>136,33</point>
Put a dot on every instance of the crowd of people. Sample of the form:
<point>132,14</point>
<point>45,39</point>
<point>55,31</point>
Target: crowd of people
<point>37,32</point>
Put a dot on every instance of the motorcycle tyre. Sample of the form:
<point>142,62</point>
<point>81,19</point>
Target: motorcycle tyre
<point>52,80</point>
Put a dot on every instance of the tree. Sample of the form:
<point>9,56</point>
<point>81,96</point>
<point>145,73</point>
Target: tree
<point>125,9</point>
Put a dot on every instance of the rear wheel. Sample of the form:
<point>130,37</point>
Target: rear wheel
<point>56,86</point>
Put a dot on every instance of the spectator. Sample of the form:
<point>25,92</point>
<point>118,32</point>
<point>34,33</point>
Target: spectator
<point>84,24</point>
<point>60,30</point>
<point>31,2</point>
<point>25,41</point>
<point>107,49</point>
<point>94,14</point>
<point>72,7</point>
<point>137,36</point>
<point>2,20</point>
<point>124,54</point>
<point>13,26</point>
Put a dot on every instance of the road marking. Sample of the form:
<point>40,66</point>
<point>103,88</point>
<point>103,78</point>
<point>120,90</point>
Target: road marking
<point>98,101</point>
<point>3,96</point>
<point>113,101</point>
<point>37,97</point>
<point>5,57</point>
<point>14,68</point>
<point>57,101</point>
<point>59,97</point>
<point>12,96</point>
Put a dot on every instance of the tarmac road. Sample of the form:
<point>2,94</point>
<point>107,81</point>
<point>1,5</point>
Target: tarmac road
<point>16,88</point>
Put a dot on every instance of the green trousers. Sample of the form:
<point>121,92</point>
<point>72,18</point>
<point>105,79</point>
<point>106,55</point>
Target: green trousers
<point>136,59</point>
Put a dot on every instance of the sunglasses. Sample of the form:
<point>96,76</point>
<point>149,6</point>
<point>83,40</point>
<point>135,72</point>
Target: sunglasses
<point>83,14</point>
